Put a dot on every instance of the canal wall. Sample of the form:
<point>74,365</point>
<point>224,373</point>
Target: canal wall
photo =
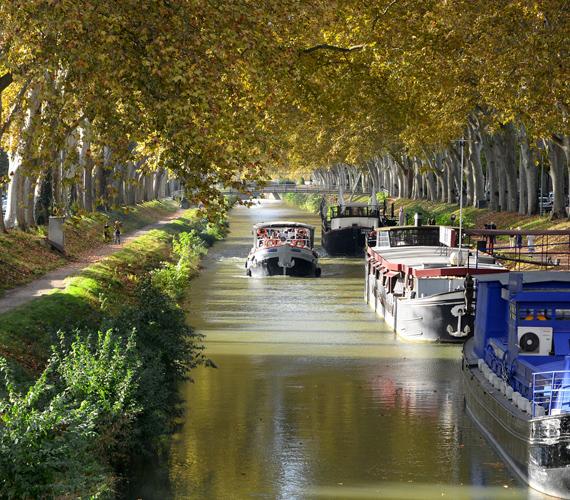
<point>89,374</point>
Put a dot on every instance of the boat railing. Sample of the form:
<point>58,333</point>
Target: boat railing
<point>551,392</point>
<point>525,249</point>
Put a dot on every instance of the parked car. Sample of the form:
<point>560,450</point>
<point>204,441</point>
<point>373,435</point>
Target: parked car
<point>545,203</point>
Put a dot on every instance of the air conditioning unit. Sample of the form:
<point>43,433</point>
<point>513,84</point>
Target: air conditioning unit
<point>534,340</point>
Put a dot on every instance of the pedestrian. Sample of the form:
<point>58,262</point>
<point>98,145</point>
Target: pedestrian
<point>117,226</point>
<point>492,237</point>
<point>530,243</point>
<point>401,220</point>
<point>512,240</point>
<point>106,232</point>
<point>518,239</point>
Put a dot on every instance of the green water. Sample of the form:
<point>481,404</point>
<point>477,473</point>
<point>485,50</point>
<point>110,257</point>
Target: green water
<point>313,397</point>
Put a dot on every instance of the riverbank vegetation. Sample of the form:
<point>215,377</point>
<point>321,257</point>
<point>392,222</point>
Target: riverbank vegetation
<point>89,373</point>
<point>26,255</point>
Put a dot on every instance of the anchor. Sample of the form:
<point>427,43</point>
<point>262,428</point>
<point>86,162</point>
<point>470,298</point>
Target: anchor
<point>459,311</point>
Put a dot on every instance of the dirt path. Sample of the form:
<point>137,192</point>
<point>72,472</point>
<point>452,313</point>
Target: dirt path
<point>56,280</point>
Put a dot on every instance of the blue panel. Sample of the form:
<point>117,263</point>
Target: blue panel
<point>561,343</point>
<point>491,315</point>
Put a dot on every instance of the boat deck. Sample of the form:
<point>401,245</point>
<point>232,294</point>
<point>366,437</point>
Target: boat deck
<point>423,260</point>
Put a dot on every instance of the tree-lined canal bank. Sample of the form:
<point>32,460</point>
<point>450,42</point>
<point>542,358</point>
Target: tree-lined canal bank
<point>313,396</point>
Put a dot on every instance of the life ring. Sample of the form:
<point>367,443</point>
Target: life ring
<point>271,243</point>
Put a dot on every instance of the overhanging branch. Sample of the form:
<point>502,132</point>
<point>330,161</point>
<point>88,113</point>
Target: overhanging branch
<point>334,48</point>
<point>16,108</point>
<point>5,81</point>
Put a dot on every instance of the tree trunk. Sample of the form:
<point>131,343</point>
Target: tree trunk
<point>489,150</point>
<point>475,146</point>
<point>523,191</point>
<point>16,213</point>
<point>530,173</point>
<point>556,157</point>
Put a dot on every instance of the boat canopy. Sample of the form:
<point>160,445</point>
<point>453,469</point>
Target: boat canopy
<point>273,224</point>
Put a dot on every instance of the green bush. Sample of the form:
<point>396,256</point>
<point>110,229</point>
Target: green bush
<point>54,438</point>
<point>310,202</point>
<point>102,398</point>
<point>105,397</point>
<point>168,350</point>
<point>188,247</point>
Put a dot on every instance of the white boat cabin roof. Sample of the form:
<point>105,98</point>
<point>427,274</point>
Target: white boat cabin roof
<point>262,225</point>
<point>355,204</point>
<point>430,257</point>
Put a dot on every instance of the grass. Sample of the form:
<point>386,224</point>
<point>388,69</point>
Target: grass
<point>102,289</point>
<point>472,217</point>
<point>25,256</point>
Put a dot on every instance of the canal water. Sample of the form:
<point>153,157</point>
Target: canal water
<point>313,397</point>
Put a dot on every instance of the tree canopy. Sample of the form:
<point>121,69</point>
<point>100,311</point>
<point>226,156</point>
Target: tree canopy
<point>226,93</point>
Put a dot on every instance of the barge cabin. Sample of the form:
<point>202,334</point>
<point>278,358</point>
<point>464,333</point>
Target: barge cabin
<point>421,283</point>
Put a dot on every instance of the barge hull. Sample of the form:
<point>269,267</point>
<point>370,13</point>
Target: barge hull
<point>420,320</point>
<point>271,267</point>
<point>348,241</point>
<point>538,456</point>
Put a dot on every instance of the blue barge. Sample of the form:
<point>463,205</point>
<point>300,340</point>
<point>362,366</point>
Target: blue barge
<point>516,374</point>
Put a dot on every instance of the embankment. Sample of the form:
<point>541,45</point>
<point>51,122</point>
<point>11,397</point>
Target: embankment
<point>443,212</point>
<point>89,374</point>
<point>25,256</point>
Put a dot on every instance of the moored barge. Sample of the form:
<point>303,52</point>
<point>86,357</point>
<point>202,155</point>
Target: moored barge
<point>283,248</point>
<point>415,280</point>
<point>516,374</point>
<point>345,227</point>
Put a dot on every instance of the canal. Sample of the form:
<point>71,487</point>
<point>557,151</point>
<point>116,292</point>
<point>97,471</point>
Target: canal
<point>313,397</point>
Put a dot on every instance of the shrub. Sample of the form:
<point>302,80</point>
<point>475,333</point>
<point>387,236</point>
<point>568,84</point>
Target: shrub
<point>54,438</point>
<point>167,349</point>
<point>104,397</point>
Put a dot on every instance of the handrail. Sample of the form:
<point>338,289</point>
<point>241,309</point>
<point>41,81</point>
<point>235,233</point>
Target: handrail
<point>551,391</point>
<point>514,232</point>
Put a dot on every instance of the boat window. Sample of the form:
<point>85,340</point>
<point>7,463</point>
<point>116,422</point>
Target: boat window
<point>542,314</point>
<point>353,211</point>
<point>383,239</point>
<point>414,237</point>
<point>532,314</point>
<point>526,313</point>
<point>562,314</point>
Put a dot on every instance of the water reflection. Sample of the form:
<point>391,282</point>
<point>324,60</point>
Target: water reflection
<point>314,398</point>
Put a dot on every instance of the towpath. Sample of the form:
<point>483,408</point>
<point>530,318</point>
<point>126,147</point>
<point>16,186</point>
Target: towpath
<point>56,280</point>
